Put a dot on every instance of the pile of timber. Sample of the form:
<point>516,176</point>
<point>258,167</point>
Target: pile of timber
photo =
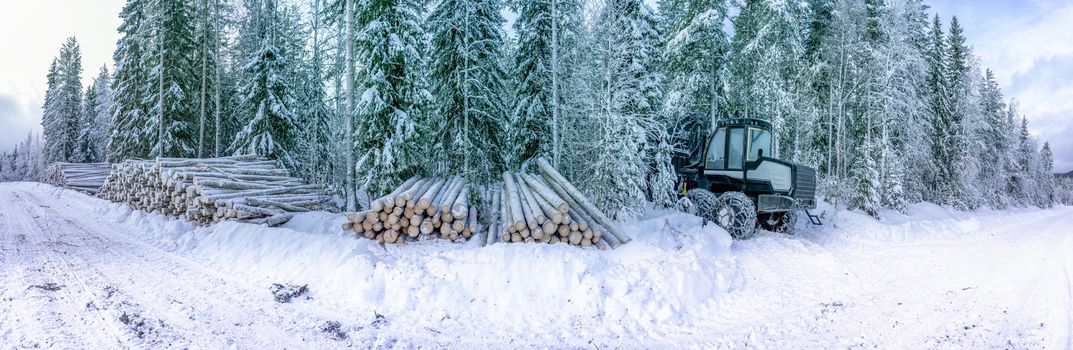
<point>85,177</point>
<point>420,209</point>
<point>548,209</point>
<point>247,188</point>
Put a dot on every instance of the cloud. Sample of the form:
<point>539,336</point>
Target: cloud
<point>1029,45</point>
<point>16,120</point>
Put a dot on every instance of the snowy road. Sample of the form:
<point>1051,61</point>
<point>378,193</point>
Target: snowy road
<point>76,272</point>
<point>71,281</point>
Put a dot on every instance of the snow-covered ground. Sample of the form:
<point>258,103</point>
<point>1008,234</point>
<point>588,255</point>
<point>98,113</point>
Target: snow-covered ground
<point>79,272</point>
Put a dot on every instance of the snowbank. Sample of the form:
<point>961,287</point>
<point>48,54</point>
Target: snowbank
<point>678,277</point>
<point>659,280</point>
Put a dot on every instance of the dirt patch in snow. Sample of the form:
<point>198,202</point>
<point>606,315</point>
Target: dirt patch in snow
<point>333,329</point>
<point>48,287</point>
<point>285,293</point>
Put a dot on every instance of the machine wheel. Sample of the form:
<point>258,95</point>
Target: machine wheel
<point>736,213</point>
<point>702,203</point>
<point>779,222</point>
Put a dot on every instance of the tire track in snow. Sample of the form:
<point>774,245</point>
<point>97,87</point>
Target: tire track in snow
<point>62,320</point>
<point>938,295</point>
<point>210,302</point>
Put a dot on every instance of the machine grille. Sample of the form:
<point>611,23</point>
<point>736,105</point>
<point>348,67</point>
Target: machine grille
<point>805,185</point>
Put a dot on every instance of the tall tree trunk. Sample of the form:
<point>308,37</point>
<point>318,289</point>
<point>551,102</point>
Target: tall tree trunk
<point>160,90</point>
<point>348,128</point>
<point>204,76</point>
<point>314,165</point>
<point>216,56</point>
<point>555,143</point>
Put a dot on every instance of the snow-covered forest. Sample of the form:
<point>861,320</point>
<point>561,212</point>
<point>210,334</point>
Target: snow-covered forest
<point>886,100</point>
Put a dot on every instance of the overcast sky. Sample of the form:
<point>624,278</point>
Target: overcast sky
<point>1028,43</point>
<point>31,33</point>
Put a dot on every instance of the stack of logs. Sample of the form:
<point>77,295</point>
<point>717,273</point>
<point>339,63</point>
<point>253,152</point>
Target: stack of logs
<point>248,188</point>
<point>85,177</point>
<point>548,209</point>
<point>420,209</point>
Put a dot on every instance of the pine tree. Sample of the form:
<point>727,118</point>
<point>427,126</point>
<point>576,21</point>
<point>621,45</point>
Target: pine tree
<point>466,80</point>
<point>909,131</point>
<point>266,89</point>
<point>96,118</point>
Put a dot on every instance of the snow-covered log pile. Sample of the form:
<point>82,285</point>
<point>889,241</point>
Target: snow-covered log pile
<point>548,209</point>
<point>85,177</point>
<point>420,209</point>
<point>246,188</point>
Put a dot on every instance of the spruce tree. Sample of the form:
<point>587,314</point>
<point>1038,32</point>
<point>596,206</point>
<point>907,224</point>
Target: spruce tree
<point>466,80</point>
<point>545,28</point>
<point>171,78</point>
<point>315,141</point>
<point>939,178</point>
<point>696,48</point>
<point>993,173</point>
<point>51,123</point>
<point>127,136</point>
<point>266,91</point>
<point>1046,176</point>
<point>612,154</point>
<point>386,136</point>
<point>962,165</point>
<point>865,173</point>
<point>765,60</point>
<point>63,106</point>
<point>86,146</point>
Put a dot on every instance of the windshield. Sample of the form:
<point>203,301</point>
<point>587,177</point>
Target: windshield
<point>715,150</point>
<point>759,144</point>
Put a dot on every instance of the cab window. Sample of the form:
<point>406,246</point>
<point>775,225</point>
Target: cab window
<point>696,145</point>
<point>735,154</point>
<point>759,144</point>
<point>716,148</point>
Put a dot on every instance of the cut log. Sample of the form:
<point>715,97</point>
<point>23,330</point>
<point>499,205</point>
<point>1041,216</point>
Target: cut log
<point>549,211</point>
<point>582,218</point>
<point>429,195</point>
<point>513,199</point>
<point>547,194</point>
<point>553,175</point>
<point>378,204</point>
<point>213,189</point>
<point>529,201</point>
